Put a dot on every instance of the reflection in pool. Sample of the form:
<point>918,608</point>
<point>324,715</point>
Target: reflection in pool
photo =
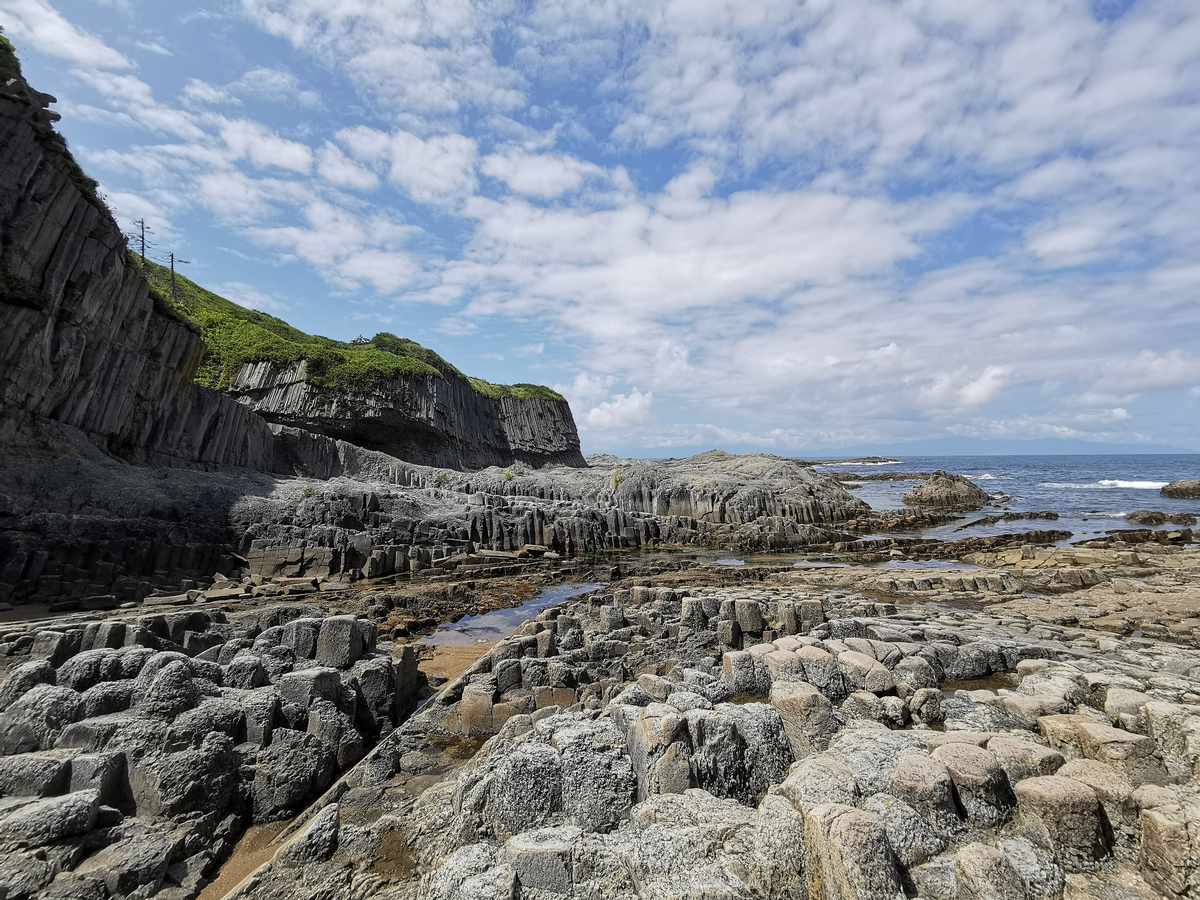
<point>500,623</point>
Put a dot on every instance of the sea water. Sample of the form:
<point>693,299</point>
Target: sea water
<point>1091,494</point>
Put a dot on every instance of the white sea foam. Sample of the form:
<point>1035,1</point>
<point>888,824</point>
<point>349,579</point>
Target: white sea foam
<point>1108,484</point>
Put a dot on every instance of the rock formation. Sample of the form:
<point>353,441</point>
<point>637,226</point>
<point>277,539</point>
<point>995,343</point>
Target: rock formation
<point>871,753</point>
<point>947,490</point>
<point>85,343</point>
<point>1183,489</point>
<point>435,420</point>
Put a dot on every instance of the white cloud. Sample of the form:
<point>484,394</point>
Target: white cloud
<point>263,147</point>
<point>249,296</point>
<point>531,349</point>
<point>458,327</point>
<point>347,248</point>
<point>439,170</point>
<point>39,23</point>
<point>846,221</point>
<point>620,413</point>
<point>538,175</point>
<point>418,58</point>
<point>336,168</point>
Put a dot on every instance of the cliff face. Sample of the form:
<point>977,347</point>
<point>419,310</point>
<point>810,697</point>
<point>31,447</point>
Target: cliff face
<point>426,419</point>
<point>84,343</point>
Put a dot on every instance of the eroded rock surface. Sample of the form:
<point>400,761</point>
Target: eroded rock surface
<point>774,759</point>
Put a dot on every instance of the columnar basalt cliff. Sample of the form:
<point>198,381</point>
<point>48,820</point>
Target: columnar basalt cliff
<point>85,342</point>
<point>435,420</point>
<point>150,445</point>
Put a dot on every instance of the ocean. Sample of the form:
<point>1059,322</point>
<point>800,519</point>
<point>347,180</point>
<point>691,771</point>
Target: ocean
<point>1091,494</point>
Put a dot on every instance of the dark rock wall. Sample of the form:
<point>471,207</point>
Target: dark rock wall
<point>422,419</point>
<point>82,341</point>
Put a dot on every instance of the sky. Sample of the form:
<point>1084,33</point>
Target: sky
<point>768,226</point>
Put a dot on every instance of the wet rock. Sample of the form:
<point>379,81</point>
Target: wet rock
<point>947,490</point>
<point>1183,489</point>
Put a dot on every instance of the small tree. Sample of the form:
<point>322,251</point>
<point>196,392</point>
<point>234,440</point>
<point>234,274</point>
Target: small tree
<point>139,237</point>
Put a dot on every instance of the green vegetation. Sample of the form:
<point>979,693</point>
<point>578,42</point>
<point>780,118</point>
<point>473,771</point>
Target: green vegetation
<point>515,391</point>
<point>441,479</point>
<point>16,290</point>
<point>508,476</point>
<point>234,335</point>
<point>308,491</point>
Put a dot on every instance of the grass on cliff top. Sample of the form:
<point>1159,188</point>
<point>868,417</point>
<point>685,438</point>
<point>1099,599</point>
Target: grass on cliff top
<point>234,335</point>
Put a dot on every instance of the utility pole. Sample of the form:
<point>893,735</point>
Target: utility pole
<point>182,262</point>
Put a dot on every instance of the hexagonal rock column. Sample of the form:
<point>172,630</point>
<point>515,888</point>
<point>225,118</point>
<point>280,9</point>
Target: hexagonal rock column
<point>1062,815</point>
<point>848,855</point>
<point>982,787</point>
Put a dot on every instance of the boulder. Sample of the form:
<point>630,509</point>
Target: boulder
<point>1183,489</point>
<point>340,643</point>
<point>983,872</point>
<point>295,767</point>
<point>46,821</point>
<point>925,784</point>
<point>808,717</point>
<point>848,855</point>
<point>25,677</point>
<point>947,490</point>
<point>1023,759</point>
<point>33,776</point>
<point>541,858</point>
<point>35,719</point>
<point>912,838</point>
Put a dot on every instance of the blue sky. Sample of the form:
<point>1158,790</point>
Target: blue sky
<point>769,226</point>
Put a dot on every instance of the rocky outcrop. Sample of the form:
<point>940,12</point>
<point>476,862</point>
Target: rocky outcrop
<point>947,490</point>
<point>147,745</point>
<point>616,764</point>
<point>427,419</point>
<point>1183,489</point>
<point>82,340</point>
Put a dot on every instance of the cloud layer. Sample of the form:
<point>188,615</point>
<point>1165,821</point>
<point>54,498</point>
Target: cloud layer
<point>773,224</point>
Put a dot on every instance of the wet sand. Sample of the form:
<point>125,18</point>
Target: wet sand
<point>450,661</point>
<point>251,851</point>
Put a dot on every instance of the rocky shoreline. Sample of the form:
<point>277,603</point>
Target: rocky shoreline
<point>699,728</point>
